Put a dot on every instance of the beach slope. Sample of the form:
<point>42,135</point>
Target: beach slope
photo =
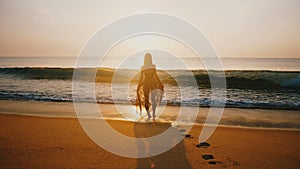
<point>47,142</point>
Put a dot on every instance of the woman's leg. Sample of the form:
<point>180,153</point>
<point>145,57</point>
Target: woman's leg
<point>154,109</point>
<point>154,102</point>
<point>147,104</point>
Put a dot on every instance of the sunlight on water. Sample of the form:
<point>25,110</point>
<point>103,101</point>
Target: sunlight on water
<point>245,89</point>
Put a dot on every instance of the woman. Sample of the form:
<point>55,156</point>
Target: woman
<point>149,86</point>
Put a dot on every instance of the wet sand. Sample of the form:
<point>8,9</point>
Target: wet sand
<point>47,142</point>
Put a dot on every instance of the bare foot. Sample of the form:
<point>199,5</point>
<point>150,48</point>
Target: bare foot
<point>154,117</point>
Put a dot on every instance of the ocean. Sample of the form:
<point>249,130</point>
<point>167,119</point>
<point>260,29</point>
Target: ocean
<point>271,64</point>
<point>252,83</point>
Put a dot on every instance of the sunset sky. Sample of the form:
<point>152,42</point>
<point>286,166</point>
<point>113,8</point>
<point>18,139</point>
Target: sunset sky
<point>253,28</point>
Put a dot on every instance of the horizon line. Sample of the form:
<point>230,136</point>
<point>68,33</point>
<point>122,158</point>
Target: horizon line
<point>237,57</point>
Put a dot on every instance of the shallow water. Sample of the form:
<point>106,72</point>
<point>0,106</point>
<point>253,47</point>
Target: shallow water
<point>232,117</point>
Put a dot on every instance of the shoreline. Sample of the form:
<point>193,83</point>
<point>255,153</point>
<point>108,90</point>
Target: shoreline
<point>125,120</point>
<point>174,105</point>
<point>66,110</point>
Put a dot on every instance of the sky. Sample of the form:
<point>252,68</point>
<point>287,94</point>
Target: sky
<point>250,28</point>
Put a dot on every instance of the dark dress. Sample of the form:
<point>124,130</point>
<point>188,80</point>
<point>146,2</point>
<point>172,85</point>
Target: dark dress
<point>149,86</point>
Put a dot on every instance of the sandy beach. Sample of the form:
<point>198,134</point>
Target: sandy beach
<point>48,142</point>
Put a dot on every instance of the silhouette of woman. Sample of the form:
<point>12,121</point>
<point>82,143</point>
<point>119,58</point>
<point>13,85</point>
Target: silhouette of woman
<point>149,86</point>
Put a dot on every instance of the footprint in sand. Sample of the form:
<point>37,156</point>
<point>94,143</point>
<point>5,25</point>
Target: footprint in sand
<point>207,157</point>
<point>203,145</point>
<point>185,135</point>
<point>188,136</point>
<point>210,157</point>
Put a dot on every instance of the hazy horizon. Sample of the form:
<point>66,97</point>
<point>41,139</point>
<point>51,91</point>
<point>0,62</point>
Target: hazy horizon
<point>224,57</point>
<point>162,62</point>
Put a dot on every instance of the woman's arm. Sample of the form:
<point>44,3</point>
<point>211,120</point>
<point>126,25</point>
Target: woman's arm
<point>160,85</point>
<point>141,81</point>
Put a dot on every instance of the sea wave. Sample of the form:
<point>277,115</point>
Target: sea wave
<point>245,89</point>
<point>235,79</point>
